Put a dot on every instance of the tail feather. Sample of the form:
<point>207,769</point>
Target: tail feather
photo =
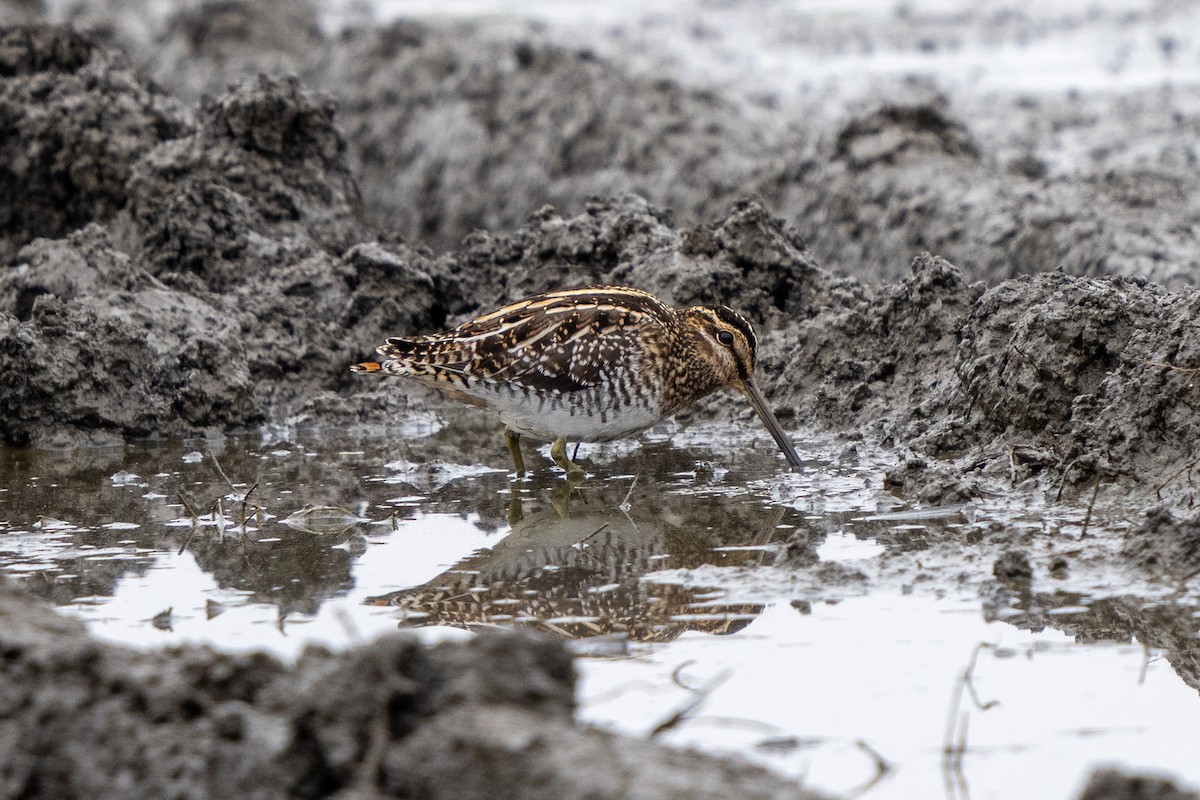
<point>399,347</point>
<point>418,356</point>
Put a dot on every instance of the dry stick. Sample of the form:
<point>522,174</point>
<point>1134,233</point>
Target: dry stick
<point>882,768</point>
<point>1145,664</point>
<point>678,672</point>
<point>699,696</point>
<point>218,512</point>
<point>1063,481</point>
<point>190,509</point>
<point>625,503</point>
<point>593,533</point>
<point>1185,468</point>
<point>1171,367</point>
<point>192,530</point>
<point>1087,518</point>
<point>246,497</point>
<point>217,464</point>
<point>954,744</point>
<point>584,553</point>
<point>246,557</point>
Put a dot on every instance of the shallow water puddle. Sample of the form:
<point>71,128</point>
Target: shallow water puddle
<point>815,622</point>
<point>800,691</point>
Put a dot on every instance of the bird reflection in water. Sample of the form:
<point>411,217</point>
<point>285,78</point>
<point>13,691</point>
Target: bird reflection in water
<point>574,562</point>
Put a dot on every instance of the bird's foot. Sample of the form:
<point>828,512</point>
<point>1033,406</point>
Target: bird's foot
<point>558,452</point>
<point>512,440</point>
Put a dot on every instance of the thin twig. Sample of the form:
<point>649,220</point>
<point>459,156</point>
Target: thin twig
<point>1087,518</point>
<point>246,497</point>
<point>187,541</point>
<point>625,503</point>
<point>593,533</point>
<point>190,509</point>
<point>676,675</point>
<point>217,464</point>
<point>1063,481</point>
<point>1165,365</point>
<point>882,768</point>
<point>1185,468</point>
<point>192,530</point>
<point>698,697</point>
<point>954,743</point>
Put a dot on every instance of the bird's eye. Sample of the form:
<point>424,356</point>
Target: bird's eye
<point>725,338</point>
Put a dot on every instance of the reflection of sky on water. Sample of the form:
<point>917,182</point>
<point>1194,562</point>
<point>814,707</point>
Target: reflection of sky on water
<point>883,669</point>
<point>419,550</point>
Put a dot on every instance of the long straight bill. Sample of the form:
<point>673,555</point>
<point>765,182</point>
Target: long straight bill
<point>759,404</point>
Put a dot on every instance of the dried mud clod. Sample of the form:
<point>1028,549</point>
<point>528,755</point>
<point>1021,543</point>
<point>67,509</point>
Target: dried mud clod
<point>94,350</point>
<point>1114,784</point>
<point>265,162</point>
<point>1166,543</point>
<point>74,119</point>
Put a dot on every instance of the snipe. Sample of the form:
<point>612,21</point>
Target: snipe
<point>586,365</point>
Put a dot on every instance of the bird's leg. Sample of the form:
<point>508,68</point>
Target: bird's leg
<point>515,512</point>
<point>560,498</point>
<point>513,440</point>
<point>558,452</point>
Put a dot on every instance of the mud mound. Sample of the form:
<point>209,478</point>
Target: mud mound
<point>265,162</point>
<point>94,349</point>
<point>223,265</point>
<point>208,46</point>
<point>453,129</point>
<point>394,719</point>
<point>73,120</point>
<point>1086,376</point>
<point>899,179</point>
<point>489,127</point>
<point>749,260</point>
<point>1098,372</point>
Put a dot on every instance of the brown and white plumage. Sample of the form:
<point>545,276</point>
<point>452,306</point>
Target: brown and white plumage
<point>591,364</point>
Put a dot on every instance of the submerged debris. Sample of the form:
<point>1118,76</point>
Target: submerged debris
<point>323,519</point>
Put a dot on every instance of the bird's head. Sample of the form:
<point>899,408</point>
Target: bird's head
<point>727,342</point>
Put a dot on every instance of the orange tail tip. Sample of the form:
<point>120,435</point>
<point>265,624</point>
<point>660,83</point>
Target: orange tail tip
<point>367,366</point>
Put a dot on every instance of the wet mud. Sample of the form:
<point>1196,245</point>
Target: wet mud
<point>191,248</point>
<point>391,719</point>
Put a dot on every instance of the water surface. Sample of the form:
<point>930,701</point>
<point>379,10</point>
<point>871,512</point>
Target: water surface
<point>812,621</point>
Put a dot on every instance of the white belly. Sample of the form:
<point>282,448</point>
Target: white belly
<point>546,419</point>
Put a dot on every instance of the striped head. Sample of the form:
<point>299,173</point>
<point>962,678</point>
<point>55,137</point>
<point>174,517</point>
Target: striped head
<point>726,343</point>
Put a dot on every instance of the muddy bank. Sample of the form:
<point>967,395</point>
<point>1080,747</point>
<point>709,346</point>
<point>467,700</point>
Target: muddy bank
<point>491,718</point>
<point>491,126</point>
<point>455,126</point>
<point>229,288</point>
<point>74,118</point>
